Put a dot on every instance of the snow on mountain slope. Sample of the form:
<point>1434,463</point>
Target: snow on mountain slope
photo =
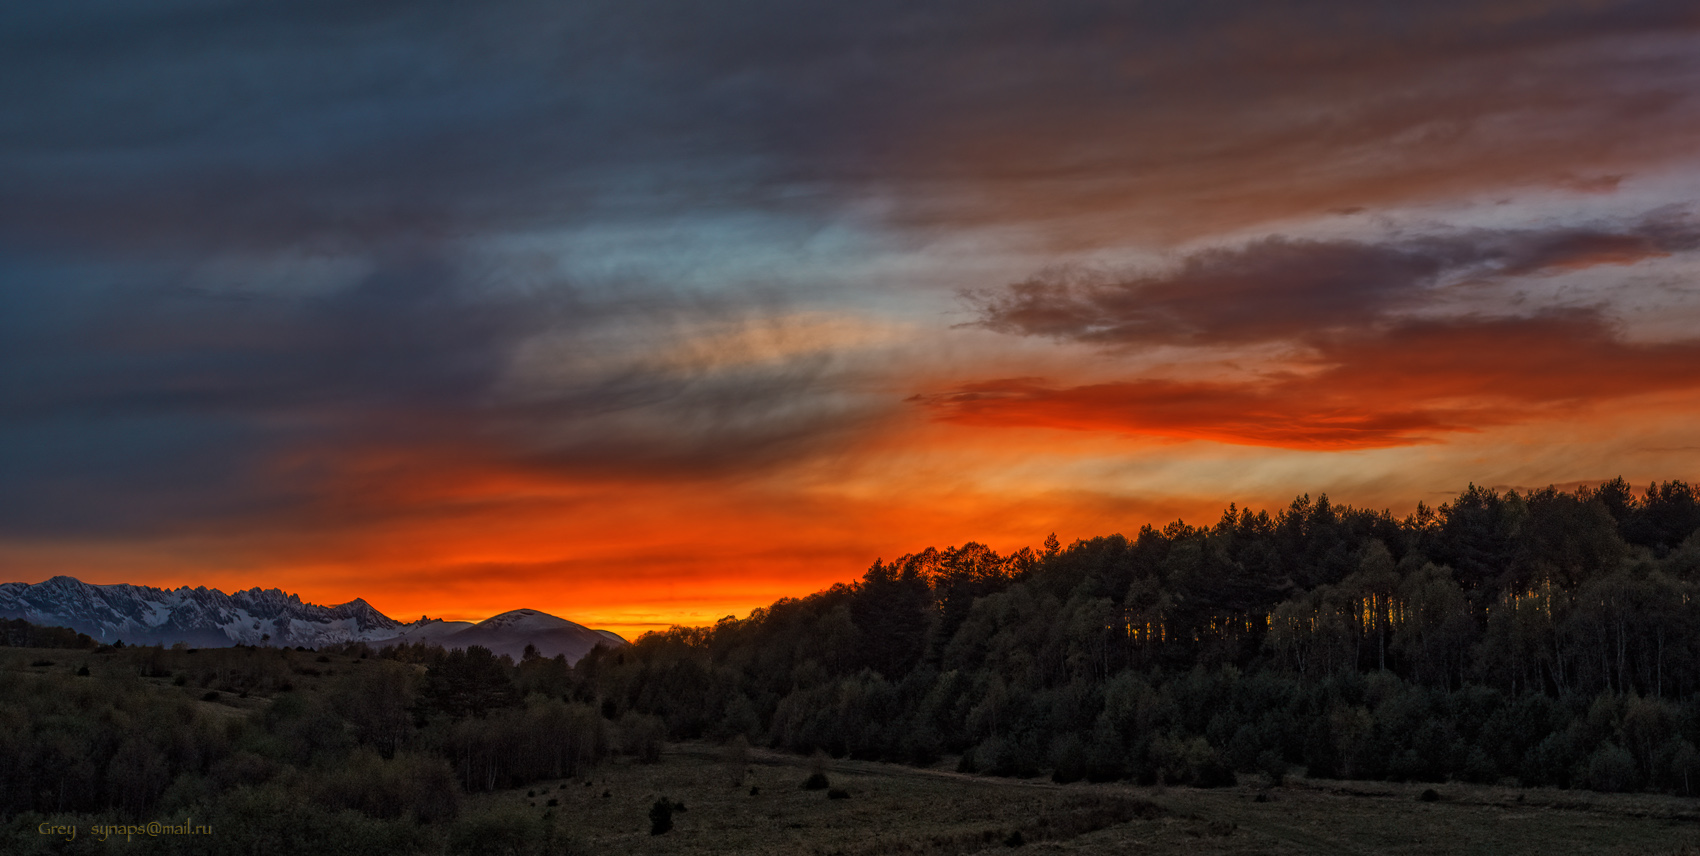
<point>198,616</point>
<point>428,630</point>
<point>210,618</point>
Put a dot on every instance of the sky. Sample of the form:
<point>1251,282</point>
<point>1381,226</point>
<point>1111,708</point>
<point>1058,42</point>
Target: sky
<point>646,313</point>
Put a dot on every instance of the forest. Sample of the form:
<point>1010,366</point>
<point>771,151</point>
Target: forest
<point>1542,638</point>
<point>1551,637</point>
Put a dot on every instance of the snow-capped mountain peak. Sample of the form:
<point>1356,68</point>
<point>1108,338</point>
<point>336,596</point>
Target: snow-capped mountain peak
<point>211,618</point>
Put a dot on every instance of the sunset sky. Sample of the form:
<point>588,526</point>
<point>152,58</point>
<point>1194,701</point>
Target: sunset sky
<point>646,313</point>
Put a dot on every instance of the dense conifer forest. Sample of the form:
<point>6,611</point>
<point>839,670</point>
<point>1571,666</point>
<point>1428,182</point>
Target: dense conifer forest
<point>1551,637</point>
<point>1548,638</point>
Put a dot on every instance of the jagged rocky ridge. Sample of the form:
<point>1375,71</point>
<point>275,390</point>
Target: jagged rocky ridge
<point>210,618</point>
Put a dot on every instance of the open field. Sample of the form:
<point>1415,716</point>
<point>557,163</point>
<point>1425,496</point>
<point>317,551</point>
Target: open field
<point>896,809</point>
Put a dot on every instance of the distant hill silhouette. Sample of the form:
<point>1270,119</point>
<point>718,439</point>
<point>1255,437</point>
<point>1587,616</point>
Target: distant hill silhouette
<point>510,633</point>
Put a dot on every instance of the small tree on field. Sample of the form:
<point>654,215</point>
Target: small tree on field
<point>661,816</point>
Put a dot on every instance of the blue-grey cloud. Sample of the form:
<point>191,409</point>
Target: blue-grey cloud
<point>238,124</point>
<point>134,405</point>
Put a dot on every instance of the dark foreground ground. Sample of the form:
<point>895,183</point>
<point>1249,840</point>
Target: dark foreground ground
<point>896,809</point>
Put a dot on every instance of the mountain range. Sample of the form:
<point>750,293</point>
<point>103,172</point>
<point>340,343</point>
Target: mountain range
<point>206,617</point>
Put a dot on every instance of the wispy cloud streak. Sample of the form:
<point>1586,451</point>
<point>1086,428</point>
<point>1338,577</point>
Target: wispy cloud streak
<point>1278,288</point>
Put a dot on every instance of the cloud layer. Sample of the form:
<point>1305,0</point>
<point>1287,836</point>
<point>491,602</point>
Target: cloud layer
<point>1278,288</point>
<point>1379,353</point>
<point>1412,383</point>
<point>522,296</point>
<point>214,405</point>
<point>258,124</point>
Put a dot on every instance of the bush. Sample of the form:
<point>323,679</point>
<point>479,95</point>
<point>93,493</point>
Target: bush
<point>1678,765</point>
<point>661,817</point>
<point>1480,768</point>
<point>1550,762</point>
<point>419,788</point>
<point>1611,768</point>
<point>966,763</point>
<point>838,794</point>
<point>816,782</point>
<point>1213,773</point>
<point>1190,762</point>
<point>1013,756</point>
<point>497,831</point>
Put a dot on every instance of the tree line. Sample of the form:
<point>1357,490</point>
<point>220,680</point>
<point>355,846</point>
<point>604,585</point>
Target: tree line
<point>1548,637</point>
<point>18,633</point>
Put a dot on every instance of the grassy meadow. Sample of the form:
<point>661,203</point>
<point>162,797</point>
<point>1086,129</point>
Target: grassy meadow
<point>899,809</point>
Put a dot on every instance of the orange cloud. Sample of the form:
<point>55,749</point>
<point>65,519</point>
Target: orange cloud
<point>1410,384</point>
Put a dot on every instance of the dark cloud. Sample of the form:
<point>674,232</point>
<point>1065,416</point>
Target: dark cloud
<point>197,123</point>
<point>140,404</point>
<point>1278,288</point>
<point>1271,289</point>
<point>409,335</point>
<point>1569,249</point>
<point>1413,383</point>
